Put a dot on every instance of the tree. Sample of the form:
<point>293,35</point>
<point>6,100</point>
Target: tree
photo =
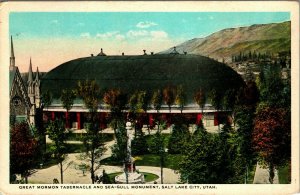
<point>94,148</point>
<point>57,133</point>
<point>116,100</point>
<point>272,137</point>
<point>46,99</point>
<point>143,100</point>
<point>233,164</point>
<point>272,89</point>
<point>180,98</point>
<point>93,141</point>
<point>244,109</point>
<point>139,143</point>
<point>200,98</point>
<point>158,142</point>
<point>132,102</point>
<point>119,149</point>
<point>201,162</point>
<point>180,136</point>
<point>243,136</point>
<point>23,150</point>
<point>89,91</point>
<point>157,99</point>
<point>169,96</point>
<point>229,99</point>
<point>67,99</point>
<point>216,101</point>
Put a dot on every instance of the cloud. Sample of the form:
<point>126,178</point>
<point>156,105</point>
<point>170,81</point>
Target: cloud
<point>211,17</point>
<point>54,22</point>
<point>111,35</point>
<point>85,35</point>
<point>146,24</point>
<point>147,35</point>
<point>199,18</point>
<point>107,35</point>
<point>137,33</point>
<point>120,37</point>
<point>159,34</point>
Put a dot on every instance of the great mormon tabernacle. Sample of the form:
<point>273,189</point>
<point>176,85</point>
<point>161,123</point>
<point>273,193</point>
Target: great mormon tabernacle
<point>129,73</point>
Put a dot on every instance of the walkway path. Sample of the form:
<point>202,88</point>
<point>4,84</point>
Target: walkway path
<point>73,175</point>
<point>262,176</point>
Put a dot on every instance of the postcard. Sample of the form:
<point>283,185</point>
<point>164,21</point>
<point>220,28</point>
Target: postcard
<point>175,97</point>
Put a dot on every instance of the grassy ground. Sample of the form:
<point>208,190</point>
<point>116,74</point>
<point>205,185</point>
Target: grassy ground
<point>171,161</point>
<point>71,148</point>
<point>148,176</point>
<point>79,137</point>
<point>284,175</point>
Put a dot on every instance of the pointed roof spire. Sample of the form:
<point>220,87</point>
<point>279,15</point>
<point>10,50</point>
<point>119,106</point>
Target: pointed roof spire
<point>12,55</point>
<point>30,78</point>
<point>101,53</point>
<point>37,76</point>
<point>174,51</point>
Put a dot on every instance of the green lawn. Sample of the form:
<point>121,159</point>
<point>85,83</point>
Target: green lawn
<point>71,148</point>
<point>79,136</point>
<point>148,176</point>
<point>171,161</point>
<point>284,175</point>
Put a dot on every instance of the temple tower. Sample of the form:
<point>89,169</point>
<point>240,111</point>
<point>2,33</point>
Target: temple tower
<point>12,55</point>
<point>31,93</point>
<point>37,92</point>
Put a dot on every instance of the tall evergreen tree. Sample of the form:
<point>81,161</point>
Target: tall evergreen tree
<point>93,141</point>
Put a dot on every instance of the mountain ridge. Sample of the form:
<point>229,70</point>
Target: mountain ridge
<point>223,44</point>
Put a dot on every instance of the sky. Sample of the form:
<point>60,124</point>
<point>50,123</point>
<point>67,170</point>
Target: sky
<point>52,38</point>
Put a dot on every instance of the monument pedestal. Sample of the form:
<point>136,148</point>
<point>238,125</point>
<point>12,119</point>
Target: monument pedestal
<point>130,173</point>
<point>133,176</point>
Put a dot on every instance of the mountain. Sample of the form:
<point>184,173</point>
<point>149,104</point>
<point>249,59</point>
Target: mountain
<point>262,38</point>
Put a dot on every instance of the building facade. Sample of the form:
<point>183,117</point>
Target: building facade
<point>128,73</point>
<point>24,94</point>
<point>141,73</point>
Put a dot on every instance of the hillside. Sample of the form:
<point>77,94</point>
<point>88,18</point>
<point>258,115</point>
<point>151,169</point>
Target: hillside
<point>271,38</point>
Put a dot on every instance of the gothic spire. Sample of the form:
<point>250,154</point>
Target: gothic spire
<point>37,76</point>
<point>12,54</point>
<point>30,78</point>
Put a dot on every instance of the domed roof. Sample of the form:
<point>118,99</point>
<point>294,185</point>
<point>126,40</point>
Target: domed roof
<point>143,72</point>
